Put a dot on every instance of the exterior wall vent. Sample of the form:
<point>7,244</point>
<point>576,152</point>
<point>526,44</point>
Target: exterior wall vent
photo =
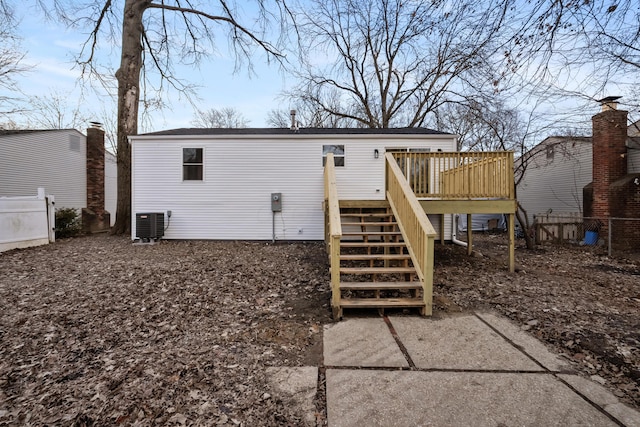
<point>150,225</point>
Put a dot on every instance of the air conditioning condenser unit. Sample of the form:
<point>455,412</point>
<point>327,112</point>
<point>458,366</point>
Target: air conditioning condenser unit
<point>150,225</point>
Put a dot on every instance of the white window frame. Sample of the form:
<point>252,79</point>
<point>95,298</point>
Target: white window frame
<point>336,157</point>
<point>184,164</point>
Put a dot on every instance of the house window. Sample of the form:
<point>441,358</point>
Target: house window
<point>338,154</point>
<point>192,165</point>
<point>551,149</point>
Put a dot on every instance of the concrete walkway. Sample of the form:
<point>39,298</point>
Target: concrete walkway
<point>465,370</point>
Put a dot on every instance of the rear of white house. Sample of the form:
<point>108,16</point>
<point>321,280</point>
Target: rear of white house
<point>219,183</point>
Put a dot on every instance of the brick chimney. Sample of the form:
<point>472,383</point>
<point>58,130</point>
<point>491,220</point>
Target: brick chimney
<point>609,155</point>
<point>94,216</point>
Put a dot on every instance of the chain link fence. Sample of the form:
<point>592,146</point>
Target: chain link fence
<point>617,236</point>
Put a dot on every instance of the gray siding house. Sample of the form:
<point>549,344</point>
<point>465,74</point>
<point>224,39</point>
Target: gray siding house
<point>55,160</point>
<point>558,169</point>
<point>555,172</point>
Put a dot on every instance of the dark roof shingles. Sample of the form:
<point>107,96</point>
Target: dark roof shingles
<point>301,131</point>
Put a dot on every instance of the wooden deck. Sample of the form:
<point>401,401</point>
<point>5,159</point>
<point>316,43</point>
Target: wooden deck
<point>394,238</point>
<point>464,183</point>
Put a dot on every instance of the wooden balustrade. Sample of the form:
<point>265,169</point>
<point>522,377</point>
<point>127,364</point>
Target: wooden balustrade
<point>416,228</point>
<point>333,228</point>
<point>457,175</point>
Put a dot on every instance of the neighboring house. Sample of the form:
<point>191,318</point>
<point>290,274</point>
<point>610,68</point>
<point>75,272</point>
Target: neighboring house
<point>110,185</point>
<point>595,177</point>
<point>59,162</point>
<point>555,172</point>
<point>218,183</point>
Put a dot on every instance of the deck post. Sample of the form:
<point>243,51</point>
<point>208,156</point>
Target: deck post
<point>512,243</point>
<point>442,229</point>
<point>469,235</point>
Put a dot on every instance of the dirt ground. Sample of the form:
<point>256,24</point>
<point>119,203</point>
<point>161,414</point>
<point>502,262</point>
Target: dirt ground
<point>97,331</point>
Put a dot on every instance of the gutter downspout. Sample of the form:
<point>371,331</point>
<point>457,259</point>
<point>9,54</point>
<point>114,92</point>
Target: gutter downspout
<point>454,227</point>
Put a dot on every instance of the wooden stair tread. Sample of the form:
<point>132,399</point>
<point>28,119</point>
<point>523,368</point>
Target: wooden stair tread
<point>374,257</point>
<point>363,215</point>
<point>379,286</point>
<point>381,302</point>
<point>376,270</point>
<point>370,223</point>
<point>371,233</point>
<point>361,244</point>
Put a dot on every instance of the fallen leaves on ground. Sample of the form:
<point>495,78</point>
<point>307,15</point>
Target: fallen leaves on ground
<point>97,331</point>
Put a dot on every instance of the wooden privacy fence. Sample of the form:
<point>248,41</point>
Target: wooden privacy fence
<point>458,175</point>
<point>568,226</point>
<point>418,233</point>
<point>333,227</point>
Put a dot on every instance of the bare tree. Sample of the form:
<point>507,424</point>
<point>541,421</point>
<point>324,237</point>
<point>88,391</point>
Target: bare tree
<point>154,35</point>
<point>311,115</point>
<point>54,111</point>
<point>9,125</point>
<point>587,46</point>
<point>11,57</point>
<point>480,126</point>
<point>391,62</point>
<point>227,117</point>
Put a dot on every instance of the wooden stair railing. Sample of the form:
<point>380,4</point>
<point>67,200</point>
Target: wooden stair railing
<point>333,231</point>
<point>383,257</point>
<point>416,229</point>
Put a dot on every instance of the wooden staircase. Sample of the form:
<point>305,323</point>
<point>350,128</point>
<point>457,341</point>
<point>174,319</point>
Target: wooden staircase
<point>375,266</point>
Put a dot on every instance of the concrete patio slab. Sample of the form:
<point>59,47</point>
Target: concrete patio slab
<point>526,342</point>
<point>603,397</point>
<point>459,342</point>
<point>414,398</point>
<point>365,342</point>
<point>298,385</point>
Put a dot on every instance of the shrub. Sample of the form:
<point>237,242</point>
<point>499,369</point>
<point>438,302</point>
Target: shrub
<point>68,223</point>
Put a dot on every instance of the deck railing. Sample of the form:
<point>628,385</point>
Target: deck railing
<point>458,175</point>
<point>333,227</point>
<point>418,233</point>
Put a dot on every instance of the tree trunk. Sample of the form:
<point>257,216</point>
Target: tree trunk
<point>523,219</point>
<point>128,76</point>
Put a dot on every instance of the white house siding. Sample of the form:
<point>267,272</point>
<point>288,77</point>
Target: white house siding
<point>240,173</point>
<point>556,183</point>
<point>54,160</point>
<point>110,185</point>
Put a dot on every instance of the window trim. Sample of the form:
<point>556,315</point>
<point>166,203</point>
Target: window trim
<point>201,164</point>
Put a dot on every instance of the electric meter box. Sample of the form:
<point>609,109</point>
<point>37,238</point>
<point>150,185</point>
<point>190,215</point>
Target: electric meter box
<point>276,202</point>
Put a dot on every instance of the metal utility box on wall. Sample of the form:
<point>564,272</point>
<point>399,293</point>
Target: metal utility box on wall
<point>276,202</point>
<point>150,225</point>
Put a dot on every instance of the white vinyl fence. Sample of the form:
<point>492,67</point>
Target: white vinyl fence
<point>26,221</point>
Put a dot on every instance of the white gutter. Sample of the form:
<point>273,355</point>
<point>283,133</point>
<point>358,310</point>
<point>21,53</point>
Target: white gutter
<point>454,229</point>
